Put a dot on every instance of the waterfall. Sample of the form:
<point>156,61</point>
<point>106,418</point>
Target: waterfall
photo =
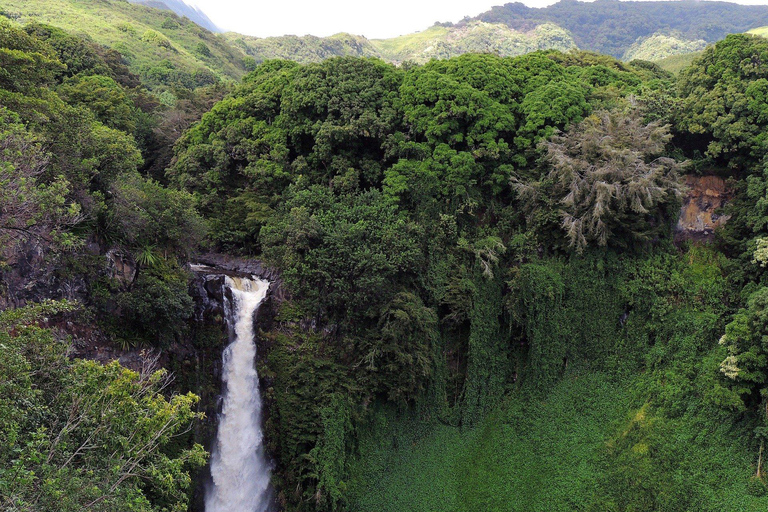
<point>239,467</point>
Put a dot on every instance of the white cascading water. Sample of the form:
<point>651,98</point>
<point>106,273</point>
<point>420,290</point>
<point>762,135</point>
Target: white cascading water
<point>239,466</point>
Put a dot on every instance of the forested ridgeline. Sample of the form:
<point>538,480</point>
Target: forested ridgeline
<point>485,307</point>
<point>614,27</point>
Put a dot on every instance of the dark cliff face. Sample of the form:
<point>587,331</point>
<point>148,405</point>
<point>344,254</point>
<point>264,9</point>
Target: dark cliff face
<point>30,273</point>
<point>230,265</point>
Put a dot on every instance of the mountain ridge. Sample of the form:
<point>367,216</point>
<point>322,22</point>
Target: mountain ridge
<point>612,26</point>
<point>165,49</point>
<point>166,42</point>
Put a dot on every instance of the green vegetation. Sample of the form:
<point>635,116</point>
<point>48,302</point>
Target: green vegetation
<point>660,46</point>
<point>406,44</point>
<point>590,445</point>
<point>676,63</point>
<point>607,416</point>
<point>81,436</point>
<point>484,306</point>
<point>385,195</point>
<point>168,50</point>
<point>723,107</point>
<point>612,27</point>
<point>304,49</point>
<point>159,46</point>
<point>481,235</point>
<point>602,186</point>
<point>759,31</point>
<point>78,435</point>
<point>438,42</point>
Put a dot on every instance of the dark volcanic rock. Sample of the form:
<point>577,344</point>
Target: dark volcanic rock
<point>223,264</point>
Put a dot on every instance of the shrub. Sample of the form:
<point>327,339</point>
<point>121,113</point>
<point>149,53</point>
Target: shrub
<point>157,39</point>
<point>610,179</point>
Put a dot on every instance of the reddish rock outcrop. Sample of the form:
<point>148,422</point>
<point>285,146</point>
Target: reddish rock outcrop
<point>699,215</point>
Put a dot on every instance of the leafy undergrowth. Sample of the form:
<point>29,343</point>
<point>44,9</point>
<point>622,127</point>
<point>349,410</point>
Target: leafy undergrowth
<point>591,444</point>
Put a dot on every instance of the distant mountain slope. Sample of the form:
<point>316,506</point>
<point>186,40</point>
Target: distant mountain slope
<point>442,42</point>
<point>164,41</point>
<point>304,49</point>
<point>182,9</point>
<point>613,26</point>
<point>160,46</point>
<point>625,29</point>
<point>437,42</point>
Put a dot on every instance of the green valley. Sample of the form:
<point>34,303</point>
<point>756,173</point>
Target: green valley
<point>503,264</point>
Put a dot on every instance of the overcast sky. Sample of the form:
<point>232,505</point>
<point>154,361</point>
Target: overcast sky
<point>378,19</point>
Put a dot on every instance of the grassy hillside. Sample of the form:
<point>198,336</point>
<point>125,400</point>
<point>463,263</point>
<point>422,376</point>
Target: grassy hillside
<point>160,46</point>
<point>655,46</point>
<point>436,42</point>
<point>759,31</point>
<point>676,63</point>
<point>409,43</point>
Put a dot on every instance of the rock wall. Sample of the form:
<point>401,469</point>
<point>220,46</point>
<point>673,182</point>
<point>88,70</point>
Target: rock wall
<point>700,214</point>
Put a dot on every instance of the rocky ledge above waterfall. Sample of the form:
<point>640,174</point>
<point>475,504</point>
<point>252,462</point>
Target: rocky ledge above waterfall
<point>227,264</point>
<point>208,288</point>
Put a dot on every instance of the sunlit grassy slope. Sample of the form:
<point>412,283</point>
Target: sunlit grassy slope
<point>660,46</point>
<point>148,38</point>
<point>304,49</point>
<point>759,31</point>
<point>408,43</point>
<point>676,63</point>
<point>474,37</point>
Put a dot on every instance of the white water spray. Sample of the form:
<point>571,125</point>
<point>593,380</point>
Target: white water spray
<point>239,467</point>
